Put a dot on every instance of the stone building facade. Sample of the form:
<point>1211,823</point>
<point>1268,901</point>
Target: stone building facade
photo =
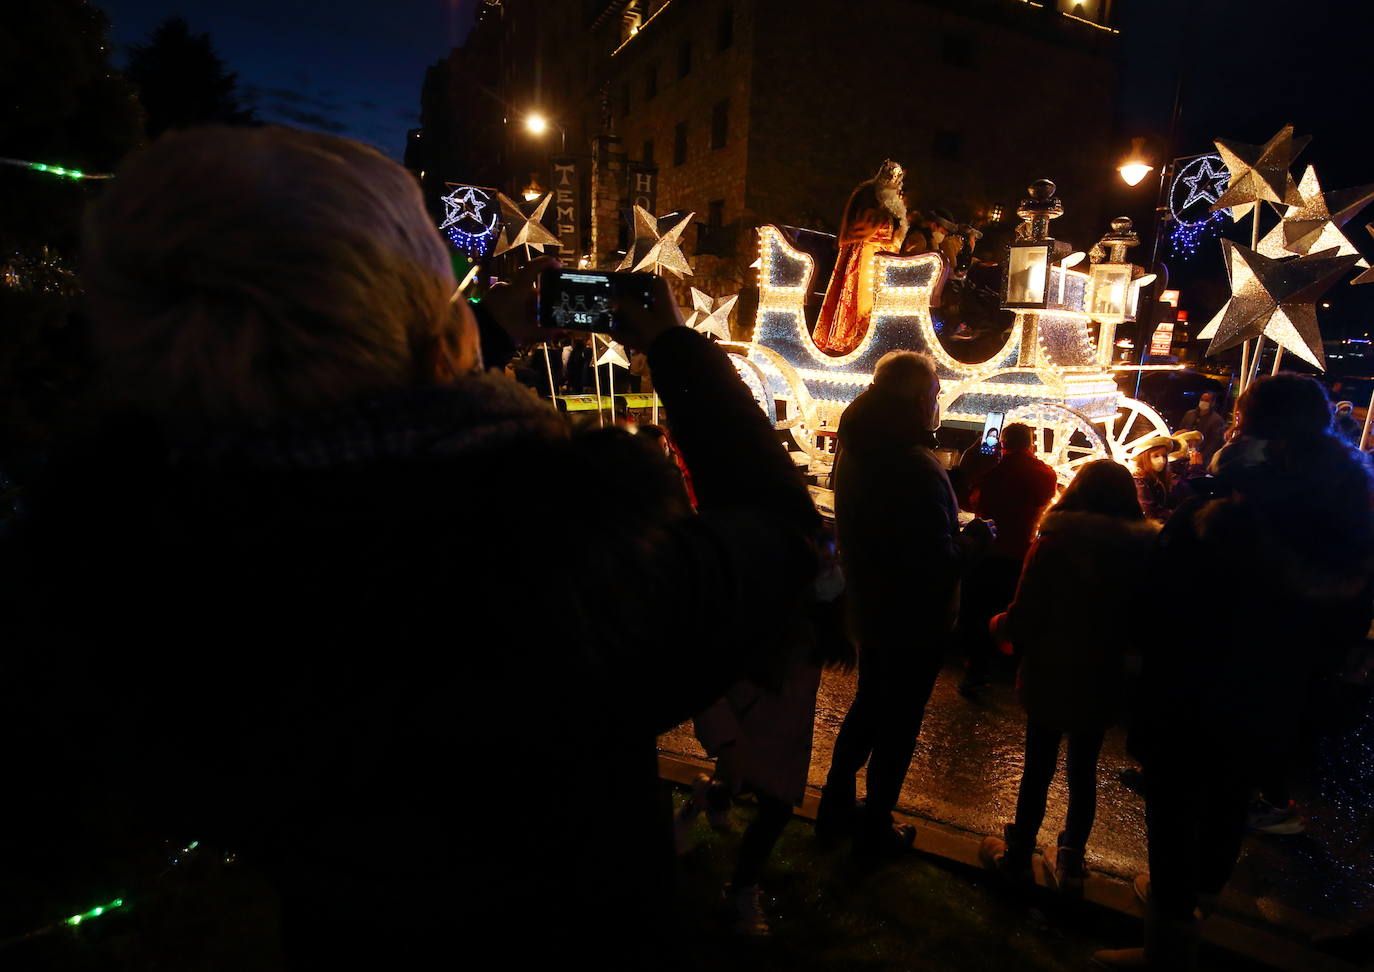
<point>770,111</point>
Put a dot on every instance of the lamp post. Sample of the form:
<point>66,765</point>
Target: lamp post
<point>537,123</point>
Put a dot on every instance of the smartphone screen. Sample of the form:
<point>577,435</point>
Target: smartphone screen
<point>583,300</point>
<point>992,434</point>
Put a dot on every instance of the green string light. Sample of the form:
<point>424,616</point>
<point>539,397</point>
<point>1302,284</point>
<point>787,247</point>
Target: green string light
<point>96,912</point>
<point>57,170</point>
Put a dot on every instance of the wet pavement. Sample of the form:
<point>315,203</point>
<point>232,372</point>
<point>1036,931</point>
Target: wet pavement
<point>968,765</point>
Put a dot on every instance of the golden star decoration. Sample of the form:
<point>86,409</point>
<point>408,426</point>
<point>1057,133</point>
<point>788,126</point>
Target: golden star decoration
<point>1368,275</point>
<point>657,245</point>
<point>530,234</point>
<point>711,315</point>
<point>1275,299</point>
<point>1315,226</point>
<point>613,354</point>
<point>1259,173</point>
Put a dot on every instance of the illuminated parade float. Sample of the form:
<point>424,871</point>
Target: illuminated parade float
<point>1052,373</point>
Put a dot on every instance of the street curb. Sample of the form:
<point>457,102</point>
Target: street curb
<point>1250,941</point>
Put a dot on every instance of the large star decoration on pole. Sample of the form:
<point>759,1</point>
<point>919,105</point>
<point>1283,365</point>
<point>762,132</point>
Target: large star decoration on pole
<point>1315,225</point>
<point>1206,184</point>
<point>531,233</point>
<point>711,315</point>
<point>1259,173</point>
<point>614,353</point>
<point>1275,299</point>
<point>657,245</point>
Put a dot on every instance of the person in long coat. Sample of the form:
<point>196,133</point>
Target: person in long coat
<point>280,625</point>
<point>904,556</point>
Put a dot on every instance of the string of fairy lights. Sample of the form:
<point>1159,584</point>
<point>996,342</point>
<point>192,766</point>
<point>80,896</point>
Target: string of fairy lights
<point>60,171</point>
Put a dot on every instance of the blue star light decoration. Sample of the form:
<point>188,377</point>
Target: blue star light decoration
<point>466,224</point>
<point>1197,187</point>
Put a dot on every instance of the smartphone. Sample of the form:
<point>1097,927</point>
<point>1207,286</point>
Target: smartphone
<point>992,434</point>
<point>583,300</point>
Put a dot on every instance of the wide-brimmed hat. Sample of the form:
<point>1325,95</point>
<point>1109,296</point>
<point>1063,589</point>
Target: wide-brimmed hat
<point>1156,442</point>
<point>942,219</point>
<point>1185,440</point>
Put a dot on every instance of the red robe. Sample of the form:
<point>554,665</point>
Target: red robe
<point>867,228</point>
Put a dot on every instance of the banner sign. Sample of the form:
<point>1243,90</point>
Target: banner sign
<point>567,203</point>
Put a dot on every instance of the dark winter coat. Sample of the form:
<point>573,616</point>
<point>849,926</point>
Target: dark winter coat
<point>346,648</point>
<point>897,520</point>
<point>1213,429</point>
<point>1066,618</point>
<point>1013,495</point>
<point>1285,554</point>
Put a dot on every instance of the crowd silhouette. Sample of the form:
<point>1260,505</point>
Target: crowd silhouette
<point>288,591</point>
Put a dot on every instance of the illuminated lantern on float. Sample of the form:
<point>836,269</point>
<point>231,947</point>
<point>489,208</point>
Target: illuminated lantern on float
<point>1050,373</point>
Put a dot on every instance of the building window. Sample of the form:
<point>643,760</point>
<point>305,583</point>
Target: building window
<point>680,143</point>
<point>684,59</point>
<point>996,214</point>
<point>945,145</point>
<point>725,29</point>
<point>651,80</point>
<point>957,50</point>
<point>720,123</point>
<point>715,214</point>
<point>648,150</point>
<point>624,101</point>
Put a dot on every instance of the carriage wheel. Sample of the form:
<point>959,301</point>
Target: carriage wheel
<point>1065,437</point>
<point>1133,423</point>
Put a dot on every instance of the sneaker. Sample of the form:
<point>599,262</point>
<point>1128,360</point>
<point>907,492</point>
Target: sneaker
<point>1264,818</point>
<point>744,910</point>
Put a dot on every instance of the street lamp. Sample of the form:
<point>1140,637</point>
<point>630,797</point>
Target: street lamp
<point>1133,172</point>
<point>536,123</point>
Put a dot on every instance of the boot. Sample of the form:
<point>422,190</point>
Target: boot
<point>1008,855</point>
<point>1065,868</point>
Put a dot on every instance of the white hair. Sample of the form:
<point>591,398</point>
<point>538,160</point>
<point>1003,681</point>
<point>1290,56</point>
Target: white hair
<point>242,273</point>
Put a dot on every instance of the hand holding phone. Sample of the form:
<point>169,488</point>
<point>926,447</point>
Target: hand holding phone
<point>591,300</point>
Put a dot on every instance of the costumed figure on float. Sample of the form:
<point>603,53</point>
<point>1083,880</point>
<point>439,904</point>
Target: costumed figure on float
<point>874,221</point>
<point>1053,372</point>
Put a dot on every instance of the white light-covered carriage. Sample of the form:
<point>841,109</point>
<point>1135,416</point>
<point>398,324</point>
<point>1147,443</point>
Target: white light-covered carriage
<point>1053,372</point>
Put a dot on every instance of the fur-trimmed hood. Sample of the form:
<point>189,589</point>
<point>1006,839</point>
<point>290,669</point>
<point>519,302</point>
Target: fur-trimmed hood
<point>1097,530</point>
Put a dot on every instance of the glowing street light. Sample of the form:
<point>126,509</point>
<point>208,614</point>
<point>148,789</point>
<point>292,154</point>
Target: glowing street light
<point>1133,172</point>
<point>537,123</point>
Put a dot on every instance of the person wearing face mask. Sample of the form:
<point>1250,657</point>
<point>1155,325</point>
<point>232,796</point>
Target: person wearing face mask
<point>1345,425</point>
<point>904,557</point>
<point>1154,482</point>
<point>1207,420</point>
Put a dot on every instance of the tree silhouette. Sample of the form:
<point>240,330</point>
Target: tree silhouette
<point>182,82</point>
<point>63,104</point>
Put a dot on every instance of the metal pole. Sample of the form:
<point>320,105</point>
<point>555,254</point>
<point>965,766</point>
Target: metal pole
<point>596,377</point>
<point>548,364</point>
<point>1278,357</point>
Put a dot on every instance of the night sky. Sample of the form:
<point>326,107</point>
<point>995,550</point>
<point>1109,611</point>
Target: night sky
<point>355,67</point>
<point>350,67</point>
